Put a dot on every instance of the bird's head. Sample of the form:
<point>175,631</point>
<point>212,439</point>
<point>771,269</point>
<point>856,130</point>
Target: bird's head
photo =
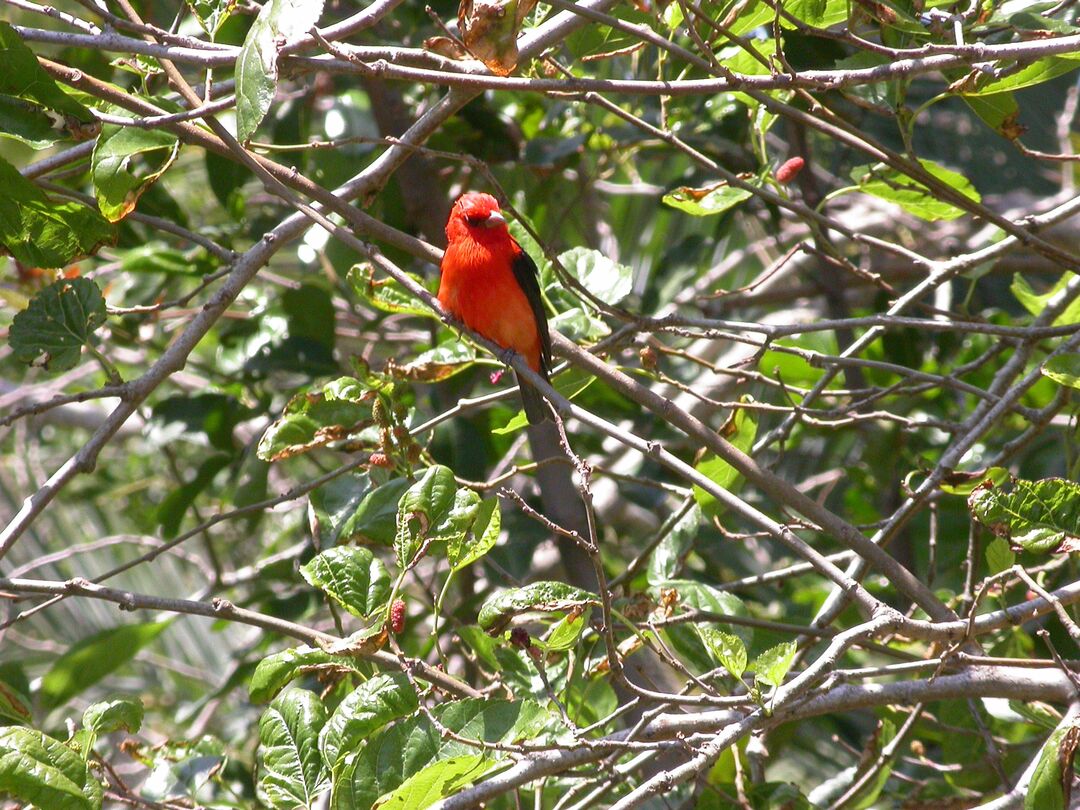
<point>476,215</point>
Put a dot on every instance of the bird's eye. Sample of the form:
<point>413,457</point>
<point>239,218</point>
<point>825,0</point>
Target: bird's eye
<point>476,219</point>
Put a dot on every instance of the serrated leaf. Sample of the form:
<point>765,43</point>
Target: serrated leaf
<point>999,556</point>
<point>116,185</point>
<point>707,201</point>
<point>1063,369</point>
<point>726,648</point>
<point>58,323</point>
<point>92,658</point>
<point>278,23</point>
<point>108,716</point>
<point>291,769</point>
<point>42,233</point>
<point>374,703</point>
<point>740,430</point>
<point>275,671</point>
<point>1037,516</point>
<point>45,773</point>
<point>353,576</point>
<point>889,184</point>
<point>773,665</point>
<point>315,419</point>
<point>607,280</point>
<point>541,597</point>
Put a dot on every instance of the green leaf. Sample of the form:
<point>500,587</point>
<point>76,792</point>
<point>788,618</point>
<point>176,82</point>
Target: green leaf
<point>23,77</point>
<point>980,83</point>
<point>374,703</point>
<point>386,294</point>
<point>291,769</point>
<point>116,185</point>
<point>469,546</point>
<point>26,122</point>
<point>211,13</point>
<point>279,22</point>
<point>45,773</point>
<point>818,13</point>
<point>375,519</point>
<point>998,111</point>
<point>999,556</point>
<point>666,559</point>
<point>607,280</point>
<point>315,419</point>
<point>353,576</point>
<point>310,313</point>
<point>569,383</point>
<point>1037,516</point>
<point>92,658</point>
<point>699,596</point>
<point>565,632</point>
<point>539,597</point>
<point>1063,369</point>
<point>180,770</point>
<point>1035,303</point>
<point>59,321</point>
<point>13,705</point>
<point>41,233</point>
<point>703,202</point>
<point>393,755</point>
<point>170,512</point>
<point>726,648</point>
<point>436,781</point>
<point>740,431</point>
<point>773,665</point>
<point>275,671</point>
<point>444,361</point>
<point>964,482</point>
<point>108,716</point>
<point>434,510</point>
<point>915,198</point>
<point>1052,780</point>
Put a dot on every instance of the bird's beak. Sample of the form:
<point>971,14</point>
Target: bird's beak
<point>494,219</point>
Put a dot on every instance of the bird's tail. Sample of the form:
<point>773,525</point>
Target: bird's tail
<point>536,407</point>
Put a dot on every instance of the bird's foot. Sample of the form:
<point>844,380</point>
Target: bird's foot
<point>506,356</point>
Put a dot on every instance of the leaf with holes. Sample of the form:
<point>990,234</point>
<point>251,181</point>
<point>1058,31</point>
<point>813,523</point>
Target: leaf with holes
<point>1037,516</point>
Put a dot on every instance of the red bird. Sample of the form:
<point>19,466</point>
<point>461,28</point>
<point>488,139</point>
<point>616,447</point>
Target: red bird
<point>492,285</point>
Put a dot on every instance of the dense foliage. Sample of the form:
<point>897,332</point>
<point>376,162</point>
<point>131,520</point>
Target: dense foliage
<point>801,536</point>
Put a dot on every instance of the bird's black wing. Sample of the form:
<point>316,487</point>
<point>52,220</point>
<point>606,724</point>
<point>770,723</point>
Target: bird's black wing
<point>528,278</point>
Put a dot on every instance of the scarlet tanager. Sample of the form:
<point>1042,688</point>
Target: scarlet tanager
<point>491,284</point>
